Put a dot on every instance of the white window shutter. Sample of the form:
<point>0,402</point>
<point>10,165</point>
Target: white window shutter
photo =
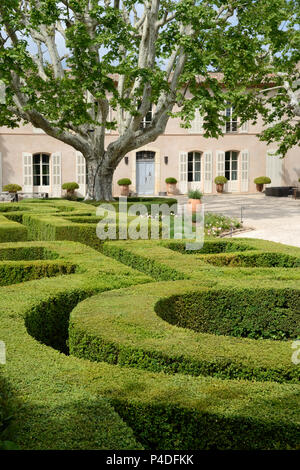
<point>220,163</point>
<point>223,113</point>
<point>56,174</point>
<point>27,172</point>
<point>274,168</point>
<point>81,173</point>
<point>208,172</point>
<point>183,157</point>
<point>197,124</point>
<point>245,171</point>
<point>1,176</point>
<point>244,128</point>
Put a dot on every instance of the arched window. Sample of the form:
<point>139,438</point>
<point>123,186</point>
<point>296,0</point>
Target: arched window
<point>41,169</point>
<point>194,166</point>
<point>231,165</point>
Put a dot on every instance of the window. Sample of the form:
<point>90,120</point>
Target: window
<point>145,155</point>
<point>231,166</point>
<point>231,124</point>
<point>194,166</point>
<point>41,169</point>
<point>146,122</point>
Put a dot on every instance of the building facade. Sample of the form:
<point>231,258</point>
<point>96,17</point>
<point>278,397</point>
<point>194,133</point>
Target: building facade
<point>40,163</point>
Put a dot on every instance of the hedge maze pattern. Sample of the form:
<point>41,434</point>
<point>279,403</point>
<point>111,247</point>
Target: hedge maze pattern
<point>140,344</point>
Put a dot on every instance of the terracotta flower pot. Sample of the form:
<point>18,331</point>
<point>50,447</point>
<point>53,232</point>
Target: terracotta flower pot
<point>194,205</point>
<point>171,189</point>
<point>220,188</point>
<point>259,187</point>
<point>124,190</point>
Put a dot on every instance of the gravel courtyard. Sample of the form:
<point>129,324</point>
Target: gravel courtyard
<point>272,218</point>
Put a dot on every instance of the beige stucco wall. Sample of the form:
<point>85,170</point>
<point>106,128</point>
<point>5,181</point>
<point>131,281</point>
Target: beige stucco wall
<point>176,139</point>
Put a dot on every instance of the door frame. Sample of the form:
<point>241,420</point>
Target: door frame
<point>233,186</point>
<point>42,188</point>
<point>157,165</point>
<point>142,164</point>
<point>196,185</point>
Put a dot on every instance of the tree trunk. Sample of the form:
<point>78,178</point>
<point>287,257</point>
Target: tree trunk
<point>99,181</point>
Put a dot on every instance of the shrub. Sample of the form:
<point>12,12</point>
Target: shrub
<point>70,187</point>
<point>62,402</point>
<point>11,231</point>
<point>12,272</point>
<point>195,194</point>
<point>221,180</point>
<point>145,341</point>
<point>124,182</point>
<point>252,313</point>
<point>171,180</point>
<point>12,188</point>
<point>262,180</point>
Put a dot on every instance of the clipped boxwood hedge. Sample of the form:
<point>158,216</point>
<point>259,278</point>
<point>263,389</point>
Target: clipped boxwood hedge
<point>137,337</point>
<point>52,404</point>
<point>12,272</point>
<point>67,402</point>
<point>247,313</point>
<point>11,231</point>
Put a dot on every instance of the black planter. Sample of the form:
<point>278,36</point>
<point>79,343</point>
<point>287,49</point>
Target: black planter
<point>278,191</point>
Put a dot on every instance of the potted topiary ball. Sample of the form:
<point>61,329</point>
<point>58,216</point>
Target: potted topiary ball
<point>220,181</point>
<point>12,188</point>
<point>70,188</point>
<point>260,181</point>
<point>194,202</point>
<point>124,184</point>
<point>171,185</point>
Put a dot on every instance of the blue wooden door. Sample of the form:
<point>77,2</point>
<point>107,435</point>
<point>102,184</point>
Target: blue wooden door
<point>145,177</point>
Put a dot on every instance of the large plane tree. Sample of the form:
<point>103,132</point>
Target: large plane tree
<point>66,64</point>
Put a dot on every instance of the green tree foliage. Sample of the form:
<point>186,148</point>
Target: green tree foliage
<point>66,63</point>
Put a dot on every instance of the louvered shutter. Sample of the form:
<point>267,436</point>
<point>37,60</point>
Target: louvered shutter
<point>245,171</point>
<point>244,128</point>
<point>27,172</point>
<point>183,156</point>
<point>56,174</point>
<point>208,172</point>
<point>220,163</point>
<point>274,168</point>
<point>81,173</point>
<point>196,124</point>
<point>223,113</point>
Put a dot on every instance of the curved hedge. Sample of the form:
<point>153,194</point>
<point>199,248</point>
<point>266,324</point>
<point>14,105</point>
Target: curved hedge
<point>247,313</point>
<point>110,327</point>
<point>11,231</point>
<point>188,397</point>
<point>52,403</point>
